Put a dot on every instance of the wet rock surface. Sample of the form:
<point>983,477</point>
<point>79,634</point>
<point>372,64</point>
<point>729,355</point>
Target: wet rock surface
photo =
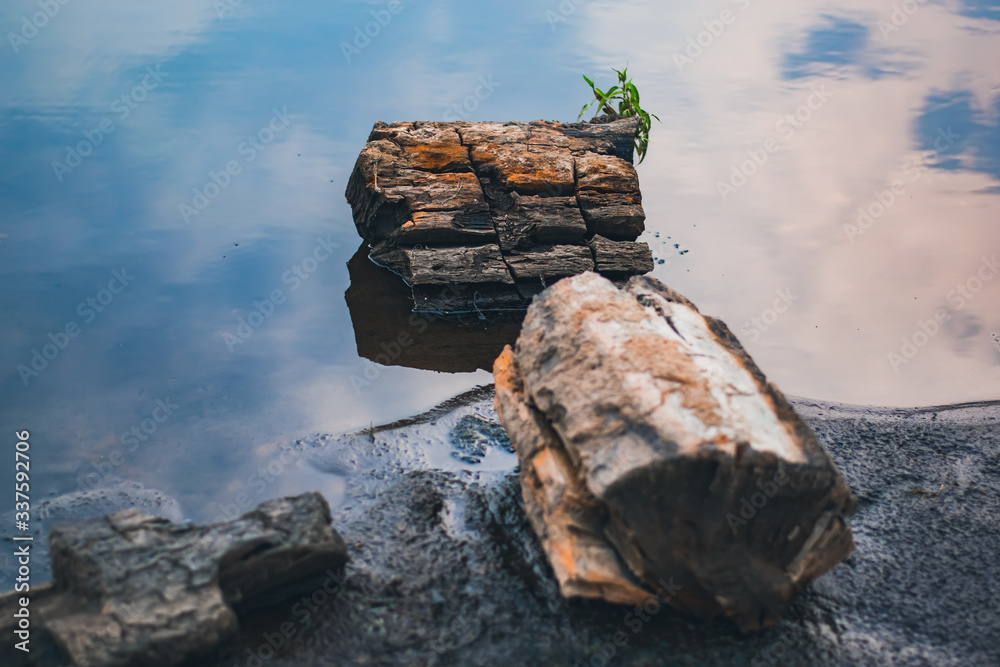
<point>654,450</point>
<point>112,495</point>
<point>446,570</point>
<point>130,588</point>
<point>500,207</point>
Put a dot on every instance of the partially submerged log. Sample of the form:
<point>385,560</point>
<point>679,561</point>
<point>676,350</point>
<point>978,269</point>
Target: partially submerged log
<point>653,449</point>
<point>446,266</point>
<point>619,259</point>
<point>507,207</point>
<point>130,588</point>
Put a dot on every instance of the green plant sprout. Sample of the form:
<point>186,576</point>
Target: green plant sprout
<point>628,105</point>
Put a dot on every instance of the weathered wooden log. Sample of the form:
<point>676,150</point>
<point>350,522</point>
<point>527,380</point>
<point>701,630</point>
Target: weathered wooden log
<point>608,192</point>
<point>530,221</point>
<point>407,169</point>
<point>445,266</point>
<point>606,136</point>
<point>441,227</point>
<point>526,169</point>
<point>132,589</point>
<point>550,262</point>
<point>615,215</point>
<point>616,259</point>
<point>653,449</point>
<point>421,190</point>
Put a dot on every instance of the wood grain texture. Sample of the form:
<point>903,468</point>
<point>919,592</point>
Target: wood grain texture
<point>525,187</point>
<point>550,262</point>
<point>615,259</point>
<point>700,468</point>
<point>445,266</point>
<point>529,221</point>
<point>131,589</point>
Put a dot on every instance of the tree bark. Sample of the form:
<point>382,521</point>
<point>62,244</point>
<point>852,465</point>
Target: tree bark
<point>653,449</point>
<point>130,588</point>
<point>536,192</point>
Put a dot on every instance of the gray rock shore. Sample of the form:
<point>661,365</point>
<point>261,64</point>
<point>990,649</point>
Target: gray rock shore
<point>445,569</point>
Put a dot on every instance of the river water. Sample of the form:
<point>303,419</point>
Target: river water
<point>174,236</point>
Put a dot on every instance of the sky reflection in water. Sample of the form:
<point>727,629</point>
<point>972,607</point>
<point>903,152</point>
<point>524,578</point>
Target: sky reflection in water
<point>896,119</point>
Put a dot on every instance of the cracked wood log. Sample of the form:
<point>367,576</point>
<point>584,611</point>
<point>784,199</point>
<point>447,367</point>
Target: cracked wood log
<point>550,262</point>
<point>445,266</point>
<point>538,192</point>
<point>130,588</point>
<point>608,191</point>
<point>617,259</point>
<point>652,447</point>
<point>537,220</point>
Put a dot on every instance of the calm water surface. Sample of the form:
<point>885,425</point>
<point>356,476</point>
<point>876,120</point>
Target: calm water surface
<point>826,178</point>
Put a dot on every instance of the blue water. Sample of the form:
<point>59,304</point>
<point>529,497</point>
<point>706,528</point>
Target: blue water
<point>183,165</point>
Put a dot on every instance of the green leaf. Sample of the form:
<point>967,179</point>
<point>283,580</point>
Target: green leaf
<point>635,94</point>
<point>627,96</point>
<point>608,95</point>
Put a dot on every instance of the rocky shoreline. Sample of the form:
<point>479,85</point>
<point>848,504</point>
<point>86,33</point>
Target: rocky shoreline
<point>445,570</point>
<point>592,508</point>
